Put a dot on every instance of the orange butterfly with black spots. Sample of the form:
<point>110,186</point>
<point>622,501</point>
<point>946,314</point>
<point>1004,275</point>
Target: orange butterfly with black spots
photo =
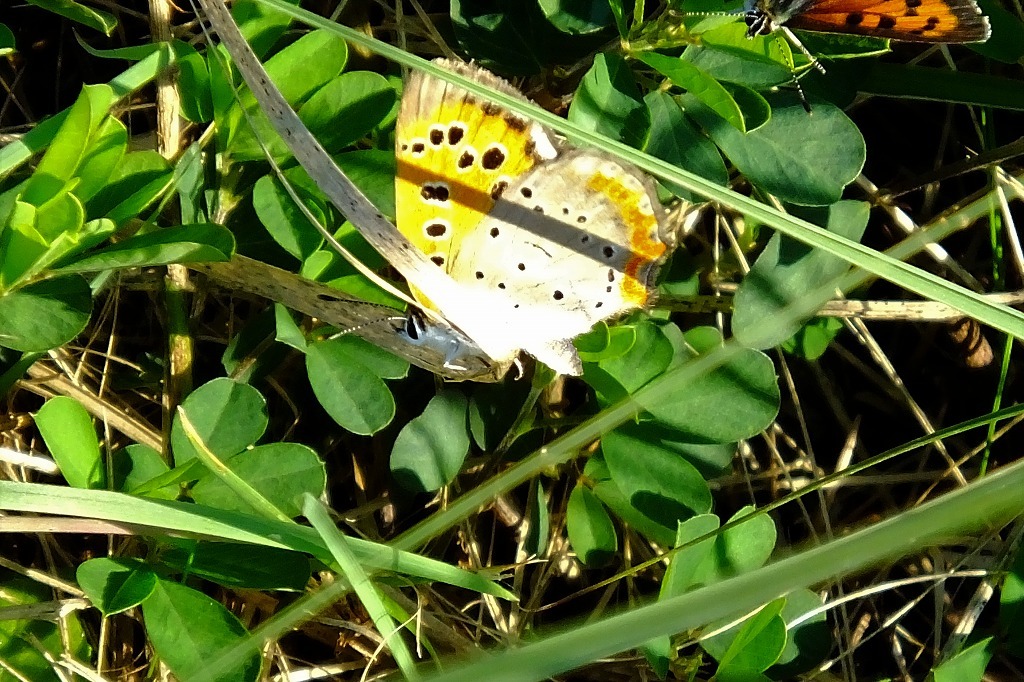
<point>926,21</point>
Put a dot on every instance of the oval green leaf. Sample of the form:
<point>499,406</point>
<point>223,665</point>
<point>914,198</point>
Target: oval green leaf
<point>71,437</point>
<point>656,480</point>
<point>352,393</point>
<point>590,529</point>
<point>790,278</point>
<point>138,180</point>
<point>280,472</point>
<point>431,448</point>
<point>578,17</point>
<point>362,99</point>
<point>699,84</point>
<point>189,631</point>
<point>44,315</point>
<point>733,402</point>
<point>608,102</point>
<point>227,416</point>
<point>114,585</point>
<point>284,220</point>
<point>200,243</point>
<point>675,139</point>
<point>805,159</point>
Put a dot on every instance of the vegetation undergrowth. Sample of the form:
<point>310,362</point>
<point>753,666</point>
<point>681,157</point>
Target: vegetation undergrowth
<point>799,462</point>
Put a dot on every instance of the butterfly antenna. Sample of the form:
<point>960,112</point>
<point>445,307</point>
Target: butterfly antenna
<point>370,323</point>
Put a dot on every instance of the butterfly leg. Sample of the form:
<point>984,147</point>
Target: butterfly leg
<point>791,37</point>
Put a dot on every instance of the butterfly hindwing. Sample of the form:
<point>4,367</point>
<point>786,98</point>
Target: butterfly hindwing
<point>575,241</point>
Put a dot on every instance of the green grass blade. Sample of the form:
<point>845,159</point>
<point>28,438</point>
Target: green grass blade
<point>993,501</point>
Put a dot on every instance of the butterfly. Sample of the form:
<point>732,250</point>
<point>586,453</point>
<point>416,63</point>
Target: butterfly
<point>929,21</point>
<point>539,240</point>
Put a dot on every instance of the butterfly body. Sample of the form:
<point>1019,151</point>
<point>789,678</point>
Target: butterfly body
<point>930,21</point>
<point>540,240</point>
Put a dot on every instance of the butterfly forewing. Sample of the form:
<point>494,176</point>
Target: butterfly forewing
<point>455,154</point>
<point>934,21</point>
<point>540,241</point>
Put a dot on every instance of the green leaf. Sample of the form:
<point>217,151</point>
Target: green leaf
<point>755,108</point>
<point>752,645</point>
<point>619,11</point>
<point>115,585</point>
<point>590,529</point>
<point>733,402</point>
<point>538,522</point>
<point>735,64</point>
<point>656,480</point>
<point>786,271</point>
<point>493,408</point>
<point>382,363</point>
<point>199,243</point>
<point>833,46</point>
<point>298,70</point>
<point>362,99</point>
<point>373,172</point>
<point>190,174</point>
<point>284,220</point>
<point>764,51</point>
<point>136,465</point>
<point>34,239</point>
<point>352,393</point>
<point>625,372</point>
<point>431,448</point>
<point>608,102</point>
<point>260,25</point>
<point>188,631</point>
<point>69,146</point>
<point>101,159</point>
<point>800,158</point>
<point>688,565</point>
<point>193,84</point>
<point>7,44</point>
<point>287,330</point>
<point>44,315</point>
<point>264,568</point>
<point>101,21</point>
<point>813,339</point>
<point>808,642</point>
<point>71,437</point>
<point>967,665</point>
<point>514,37</point>
<point>606,343</point>
<point>596,471</point>
<point>739,549</point>
<point>228,416</point>
<point>699,84</point>
<point>137,181</point>
<point>675,139</point>
<point>941,85</point>
<point>578,17</point>
<point>280,472</point>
